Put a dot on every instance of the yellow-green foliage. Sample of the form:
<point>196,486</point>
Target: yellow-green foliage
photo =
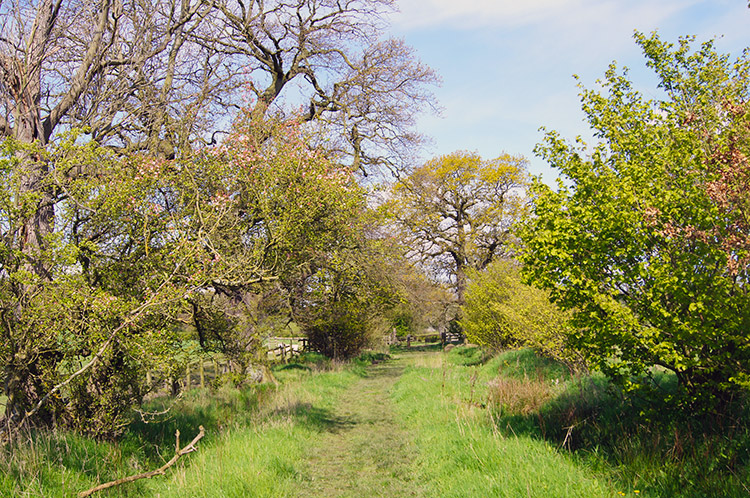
<point>501,311</point>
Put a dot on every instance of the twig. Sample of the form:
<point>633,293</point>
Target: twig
<point>739,479</point>
<point>153,415</point>
<point>147,475</point>
<point>565,443</point>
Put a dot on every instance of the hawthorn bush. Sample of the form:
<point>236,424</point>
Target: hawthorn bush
<point>646,238</point>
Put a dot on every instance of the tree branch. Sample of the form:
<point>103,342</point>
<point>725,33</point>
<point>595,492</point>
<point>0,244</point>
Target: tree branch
<point>82,77</point>
<point>156,472</point>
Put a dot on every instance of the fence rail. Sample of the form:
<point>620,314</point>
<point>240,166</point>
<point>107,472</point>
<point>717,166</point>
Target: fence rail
<point>287,347</point>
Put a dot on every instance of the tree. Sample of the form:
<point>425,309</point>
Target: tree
<point>159,76</point>
<point>362,90</point>
<point>293,209</point>
<point>502,312</point>
<point>645,237</point>
<point>77,339</point>
<point>456,211</point>
<point>109,194</point>
<point>117,68</point>
<point>142,243</point>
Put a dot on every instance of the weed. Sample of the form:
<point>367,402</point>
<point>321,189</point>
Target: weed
<point>519,396</point>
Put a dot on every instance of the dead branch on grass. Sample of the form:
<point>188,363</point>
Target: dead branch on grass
<point>147,475</point>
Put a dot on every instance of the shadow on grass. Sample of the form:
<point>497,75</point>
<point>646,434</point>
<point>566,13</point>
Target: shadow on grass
<point>469,356</point>
<point>315,417</point>
<point>155,425</point>
<point>292,366</point>
<point>420,348</point>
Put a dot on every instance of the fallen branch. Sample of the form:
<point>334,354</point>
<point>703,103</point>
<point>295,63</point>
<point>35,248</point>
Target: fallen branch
<point>147,475</point>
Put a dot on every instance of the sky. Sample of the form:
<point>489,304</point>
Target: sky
<point>507,66</point>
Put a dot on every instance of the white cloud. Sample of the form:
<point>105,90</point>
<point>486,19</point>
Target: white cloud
<point>507,64</point>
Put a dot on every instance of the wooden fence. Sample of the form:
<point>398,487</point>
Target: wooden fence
<point>443,338</point>
<point>197,374</point>
<point>286,348</point>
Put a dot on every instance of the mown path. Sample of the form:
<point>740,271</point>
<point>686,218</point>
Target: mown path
<point>364,453</point>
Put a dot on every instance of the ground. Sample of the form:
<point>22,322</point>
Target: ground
<point>365,452</point>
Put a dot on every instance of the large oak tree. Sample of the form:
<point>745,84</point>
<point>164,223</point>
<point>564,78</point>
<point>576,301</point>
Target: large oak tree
<point>456,211</point>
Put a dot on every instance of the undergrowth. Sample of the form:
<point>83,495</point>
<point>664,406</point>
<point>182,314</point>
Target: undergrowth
<point>656,449</point>
<point>238,422</point>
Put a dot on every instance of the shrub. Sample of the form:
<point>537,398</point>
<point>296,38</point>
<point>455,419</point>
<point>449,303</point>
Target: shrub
<point>502,312</point>
<point>646,237</point>
<point>338,331</point>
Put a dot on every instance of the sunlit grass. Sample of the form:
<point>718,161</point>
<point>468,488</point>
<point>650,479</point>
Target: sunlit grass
<point>461,455</point>
<point>253,437</point>
<point>455,424</point>
<point>657,449</point>
<point>265,458</point>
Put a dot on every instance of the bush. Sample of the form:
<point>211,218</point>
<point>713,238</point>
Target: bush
<point>502,312</point>
<point>338,331</point>
<point>646,239</point>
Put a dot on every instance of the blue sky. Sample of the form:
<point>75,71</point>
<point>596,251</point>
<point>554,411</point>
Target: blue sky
<point>507,65</point>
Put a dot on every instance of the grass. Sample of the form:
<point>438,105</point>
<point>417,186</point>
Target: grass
<point>657,450</point>
<point>266,458</point>
<point>421,423</point>
<point>461,454</point>
<point>254,437</point>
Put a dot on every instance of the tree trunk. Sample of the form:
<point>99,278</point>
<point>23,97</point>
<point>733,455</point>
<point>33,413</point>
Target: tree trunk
<point>460,285</point>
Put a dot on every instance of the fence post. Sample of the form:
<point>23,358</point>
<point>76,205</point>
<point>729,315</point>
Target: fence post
<point>187,376</point>
<point>203,375</point>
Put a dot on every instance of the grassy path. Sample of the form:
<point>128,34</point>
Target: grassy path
<point>411,427</point>
<point>414,426</point>
<point>365,452</point>
<point>408,427</point>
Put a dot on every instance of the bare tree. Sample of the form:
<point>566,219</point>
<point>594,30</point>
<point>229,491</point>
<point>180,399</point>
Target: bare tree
<point>115,66</point>
<point>363,92</point>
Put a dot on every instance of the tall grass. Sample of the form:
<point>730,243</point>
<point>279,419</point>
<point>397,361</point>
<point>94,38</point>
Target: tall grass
<point>462,455</point>
<point>655,449</point>
<point>265,458</point>
<point>254,437</point>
